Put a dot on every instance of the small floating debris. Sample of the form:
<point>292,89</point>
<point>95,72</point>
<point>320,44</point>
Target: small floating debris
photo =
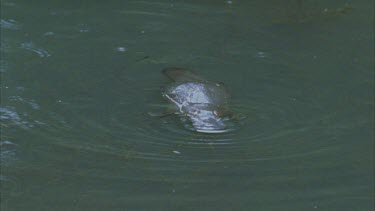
<point>176,152</point>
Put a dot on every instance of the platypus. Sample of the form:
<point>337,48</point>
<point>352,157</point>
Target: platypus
<point>203,103</point>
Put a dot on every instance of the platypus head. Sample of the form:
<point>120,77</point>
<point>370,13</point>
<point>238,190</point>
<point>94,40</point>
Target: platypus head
<point>208,118</point>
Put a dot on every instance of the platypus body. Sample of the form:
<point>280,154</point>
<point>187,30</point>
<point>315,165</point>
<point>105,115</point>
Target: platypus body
<point>203,103</point>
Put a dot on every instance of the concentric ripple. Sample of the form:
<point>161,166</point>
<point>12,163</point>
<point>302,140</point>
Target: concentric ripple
<point>100,99</point>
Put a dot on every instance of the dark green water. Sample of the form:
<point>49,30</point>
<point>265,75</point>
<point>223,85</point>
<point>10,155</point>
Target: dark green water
<point>78,79</point>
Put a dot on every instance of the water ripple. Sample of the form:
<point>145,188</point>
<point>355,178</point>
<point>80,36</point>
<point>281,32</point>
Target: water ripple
<point>7,152</point>
<point>7,156</point>
<point>9,24</point>
<point>274,129</point>
<point>143,13</point>
<point>30,46</point>
<point>9,116</point>
<point>31,103</point>
<point>272,121</point>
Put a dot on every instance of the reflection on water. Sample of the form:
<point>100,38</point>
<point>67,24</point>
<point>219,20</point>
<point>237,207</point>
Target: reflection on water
<point>78,82</point>
<point>9,116</point>
<point>9,24</point>
<point>31,47</point>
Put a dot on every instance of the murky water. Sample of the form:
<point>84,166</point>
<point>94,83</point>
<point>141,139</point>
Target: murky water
<point>79,79</point>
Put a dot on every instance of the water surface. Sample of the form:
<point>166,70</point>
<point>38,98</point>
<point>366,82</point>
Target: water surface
<point>79,79</point>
